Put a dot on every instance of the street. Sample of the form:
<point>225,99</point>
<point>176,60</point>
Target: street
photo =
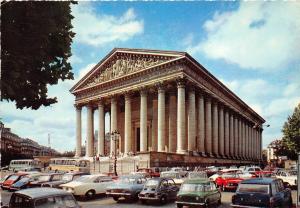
<point>102,201</point>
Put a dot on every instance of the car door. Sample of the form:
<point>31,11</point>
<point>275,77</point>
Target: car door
<point>172,189</point>
<point>285,192</point>
<point>215,194</point>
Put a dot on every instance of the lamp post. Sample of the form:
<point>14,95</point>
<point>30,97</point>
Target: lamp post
<point>115,135</point>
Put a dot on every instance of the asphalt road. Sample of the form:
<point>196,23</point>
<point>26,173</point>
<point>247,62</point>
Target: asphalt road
<point>102,201</point>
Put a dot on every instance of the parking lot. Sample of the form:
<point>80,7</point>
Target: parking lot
<point>103,201</point>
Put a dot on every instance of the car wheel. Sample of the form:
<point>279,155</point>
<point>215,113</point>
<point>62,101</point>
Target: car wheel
<point>206,204</point>
<point>179,205</point>
<point>163,199</point>
<point>116,198</point>
<point>143,201</point>
<point>90,194</point>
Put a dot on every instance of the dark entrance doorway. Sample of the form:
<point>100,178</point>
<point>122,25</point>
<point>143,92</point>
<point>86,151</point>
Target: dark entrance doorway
<point>137,139</point>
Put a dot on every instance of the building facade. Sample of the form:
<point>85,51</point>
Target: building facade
<point>165,102</point>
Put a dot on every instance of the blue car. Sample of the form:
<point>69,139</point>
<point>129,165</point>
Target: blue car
<point>262,192</point>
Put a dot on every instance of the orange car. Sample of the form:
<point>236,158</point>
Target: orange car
<point>12,179</point>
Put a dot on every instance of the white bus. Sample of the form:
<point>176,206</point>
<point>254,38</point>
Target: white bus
<point>25,165</point>
<point>69,165</point>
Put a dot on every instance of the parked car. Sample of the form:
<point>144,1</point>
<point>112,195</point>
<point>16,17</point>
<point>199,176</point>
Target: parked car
<point>262,192</point>
<point>198,192</point>
<point>175,175</point>
<point>66,178</point>
<point>228,181</point>
<point>4,178</point>
<point>12,179</point>
<point>158,190</point>
<point>224,171</point>
<point>25,182</point>
<point>45,178</point>
<point>289,177</point>
<point>150,171</point>
<point>127,187</point>
<point>88,185</point>
<point>42,197</point>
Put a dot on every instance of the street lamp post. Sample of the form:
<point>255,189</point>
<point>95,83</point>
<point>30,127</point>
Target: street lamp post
<point>115,137</point>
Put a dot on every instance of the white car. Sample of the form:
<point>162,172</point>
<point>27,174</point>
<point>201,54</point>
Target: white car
<point>288,176</point>
<point>219,173</point>
<point>88,185</point>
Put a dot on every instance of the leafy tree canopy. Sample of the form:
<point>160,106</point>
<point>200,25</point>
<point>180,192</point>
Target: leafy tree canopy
<point>291,134</point>
<point>36,42</point>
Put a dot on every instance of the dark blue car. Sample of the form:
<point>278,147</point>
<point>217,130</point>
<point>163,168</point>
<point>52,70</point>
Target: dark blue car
<point>262,192</point>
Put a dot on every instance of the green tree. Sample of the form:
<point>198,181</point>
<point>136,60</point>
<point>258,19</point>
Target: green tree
<point>36,42</point>
<point>291,134</point>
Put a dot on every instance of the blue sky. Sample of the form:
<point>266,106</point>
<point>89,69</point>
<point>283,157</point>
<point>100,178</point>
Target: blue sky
<point>252,47</point>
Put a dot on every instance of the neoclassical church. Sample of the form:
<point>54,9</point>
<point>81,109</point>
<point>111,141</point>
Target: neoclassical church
<point>167,108</point>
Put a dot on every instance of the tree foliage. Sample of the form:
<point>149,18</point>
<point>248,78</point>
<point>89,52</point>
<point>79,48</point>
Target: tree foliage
<point>36,42</point>
<point>291,134</point>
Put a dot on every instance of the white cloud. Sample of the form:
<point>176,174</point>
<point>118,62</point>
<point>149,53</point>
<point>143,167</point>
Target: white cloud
<point>258,35</point>
<point>99,29</point>
<point>85,70</point>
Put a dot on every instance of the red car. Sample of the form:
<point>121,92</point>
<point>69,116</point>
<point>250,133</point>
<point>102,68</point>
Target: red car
<point>12,179</point>
<point>228,181</point>
<point>149,171</point>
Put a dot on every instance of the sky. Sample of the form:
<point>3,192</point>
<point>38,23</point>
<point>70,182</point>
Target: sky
<point>252,47</point>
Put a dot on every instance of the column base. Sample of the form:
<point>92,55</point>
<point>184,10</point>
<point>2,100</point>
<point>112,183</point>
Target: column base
<point>181,151</point>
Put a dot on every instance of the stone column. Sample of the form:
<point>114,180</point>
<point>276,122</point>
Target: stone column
<point>181,142</point>
<point>101,129</point>
<point>128,127</point>
<point>244,139</point>
<point>143,121</point>
<point>260,143</point>
<point>90,132</point>
<point>215,129</point>
<point>251,142</point>
<point>221,131</point>
<point>113,123</point>
<point>78,131</point>
<point>172,123</point>
<point>154,125</point>
<point>161,128</point>
<point>192,121</point>
<point>201,125</point>
<point>227,141</point>
<point>240,151</point>
<point>248,142</point>
<point>231,136</point>
<point>236,137</point>
<point>208,127</point>
<point>255,144</point>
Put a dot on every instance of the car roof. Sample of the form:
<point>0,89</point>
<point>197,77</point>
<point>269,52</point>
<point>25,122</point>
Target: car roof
<point>42,192</point>
<point>196,181</point>
<point>259,180</point>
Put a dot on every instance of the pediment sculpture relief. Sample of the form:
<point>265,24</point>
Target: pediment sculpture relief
<point>123,66</point>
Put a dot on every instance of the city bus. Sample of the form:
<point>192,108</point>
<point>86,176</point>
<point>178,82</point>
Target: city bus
<point>69,164</point>
<point>25,165</point>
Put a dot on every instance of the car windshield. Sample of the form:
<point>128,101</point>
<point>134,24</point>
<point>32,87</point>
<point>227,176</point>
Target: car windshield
<point>195,187</point>
<point>55,202</point>
<point>25,179</point>
<point>197,175</point>
<point>169,175</point>
<point>151,184</point>
<point>44,178</point>
<point>254,188</point>
<point>128,180</point>
<point>13,177</point>
<point>83,179</point>
<point>67,177</point>
<point>230,175</point>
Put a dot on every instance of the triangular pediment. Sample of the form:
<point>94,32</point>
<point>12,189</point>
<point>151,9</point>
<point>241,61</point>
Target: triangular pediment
<point>124,62</point>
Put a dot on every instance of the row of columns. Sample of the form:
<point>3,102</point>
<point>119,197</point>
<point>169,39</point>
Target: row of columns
<point>212,128</point>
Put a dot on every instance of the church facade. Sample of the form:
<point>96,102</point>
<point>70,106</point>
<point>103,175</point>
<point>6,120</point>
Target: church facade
<point>166,105</point>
